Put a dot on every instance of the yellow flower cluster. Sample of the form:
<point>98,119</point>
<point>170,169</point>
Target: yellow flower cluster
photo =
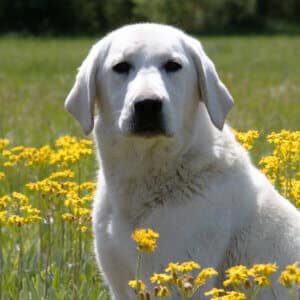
<point>57,195</point>
<point>78,211</point>
<point>246,138</point>
<point>145,239</point>
<point>135,283</point>
<point>67,151</point>
<point>177,275</point>
<point>70,150</point>
<point>15,209</point>
<point>240,276</point>
<point>290,277</point>
<point>261,274</point>
<point>221,294</point>
<point>45,214</point>
<point>57,187</point>
<point>241,283</point>
<point>28,155</point>
<point>283,165</point>
<point>3,143</point>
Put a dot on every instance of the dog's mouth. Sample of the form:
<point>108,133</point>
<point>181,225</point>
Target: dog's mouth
<point>148,129</point>
<point>147,120</point>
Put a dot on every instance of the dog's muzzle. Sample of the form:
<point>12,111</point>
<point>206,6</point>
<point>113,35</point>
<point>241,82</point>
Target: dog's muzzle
<point>147,118</point>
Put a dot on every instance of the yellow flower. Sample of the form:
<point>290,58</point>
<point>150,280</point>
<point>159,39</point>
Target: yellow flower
<point>65,173</point>
<point>91,186</point>
<point>145,239</point>
<point>227,295</point>
<point>8,164</point>
<point>161,291</point>
<point>214,292</point>
<point>184,267</point>
<point>294,192</point>
<point>161,278</point>
<point>189,266</point>
<point>204,275</point>
<point>134,284</point>
<point>30,210</point>
<point>47,186</point>
<point>4,201</point>
<point>3,143</point>
<point>282,166</point>
<point>84,228</point>
<point>2,176</point>
<point>236,275</point>
<point>262,273</point>
<point>68,217</point>
<point>21,197</point>
<point>81,211</point>
<point>290,276</point>
<point>246,138</point>
<point>6,153</point>
<point>70,150</point>
<point>14,219</point>
<point>233,295</point>
<point>173,267</point>
<point>3,215</point>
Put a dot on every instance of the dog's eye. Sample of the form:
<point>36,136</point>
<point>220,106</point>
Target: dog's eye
<point>172,66</point>
<point>122,67</point>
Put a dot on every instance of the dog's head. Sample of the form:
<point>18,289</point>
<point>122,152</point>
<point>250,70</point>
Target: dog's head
<point>147,80</point>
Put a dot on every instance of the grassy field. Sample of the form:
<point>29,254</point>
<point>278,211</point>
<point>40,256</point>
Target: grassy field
<point>262,74</point>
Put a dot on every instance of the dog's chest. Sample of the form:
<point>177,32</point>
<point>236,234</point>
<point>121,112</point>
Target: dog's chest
<point>140,197</point>
<point>180,208</point>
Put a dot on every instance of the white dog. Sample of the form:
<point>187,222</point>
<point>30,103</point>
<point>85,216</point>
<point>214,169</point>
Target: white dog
<point>168,162</point>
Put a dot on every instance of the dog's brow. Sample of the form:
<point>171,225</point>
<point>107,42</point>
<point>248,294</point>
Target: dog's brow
<point>162,56</point>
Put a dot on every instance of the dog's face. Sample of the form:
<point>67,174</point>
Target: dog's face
<point>148,85</point>
<point>148,80</point>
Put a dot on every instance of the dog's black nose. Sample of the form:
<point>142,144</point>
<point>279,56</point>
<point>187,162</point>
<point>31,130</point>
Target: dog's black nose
<point>148,117</point>
<point>148,108</point>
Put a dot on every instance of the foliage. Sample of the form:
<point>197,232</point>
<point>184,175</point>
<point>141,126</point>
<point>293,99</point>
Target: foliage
<point>183,279</point>
<point>45,224</point>
<point>32,90</point>
<point>90,16</point>
<point>49,16</point>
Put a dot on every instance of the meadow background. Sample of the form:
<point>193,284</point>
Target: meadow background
<point>53,257</point>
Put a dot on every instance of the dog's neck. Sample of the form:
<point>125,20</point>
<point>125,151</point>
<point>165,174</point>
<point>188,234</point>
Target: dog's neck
<point>152,169</point>
<point>129,158</point>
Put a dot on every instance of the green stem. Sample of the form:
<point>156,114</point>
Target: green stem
<point>186,297</point>
<point>138,271</point>
<point>77,263</point>
<point>292,294</point>
<point>1,262</point>
<point>255,293</point>
<point>20,262</point>
<point>62,262</point>
<point>48,258</point>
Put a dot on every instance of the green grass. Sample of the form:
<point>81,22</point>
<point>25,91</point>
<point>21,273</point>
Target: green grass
<point>262,74</point>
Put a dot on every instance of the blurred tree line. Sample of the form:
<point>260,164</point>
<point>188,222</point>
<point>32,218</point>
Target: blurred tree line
<point>94,16</point>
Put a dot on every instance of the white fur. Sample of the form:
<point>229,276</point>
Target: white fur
<point>196,186</point>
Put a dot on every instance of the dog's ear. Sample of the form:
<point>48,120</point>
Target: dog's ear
<point>81,99</point>
<point>213,92</point>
